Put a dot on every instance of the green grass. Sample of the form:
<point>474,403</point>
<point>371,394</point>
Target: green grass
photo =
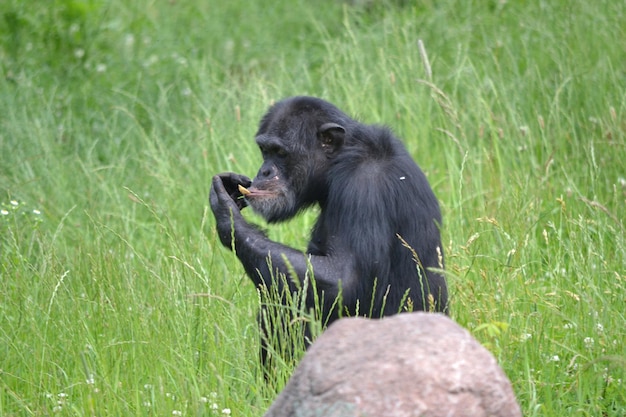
<point>116,297</point>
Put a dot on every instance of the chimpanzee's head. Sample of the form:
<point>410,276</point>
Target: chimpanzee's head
<point>298,137</point>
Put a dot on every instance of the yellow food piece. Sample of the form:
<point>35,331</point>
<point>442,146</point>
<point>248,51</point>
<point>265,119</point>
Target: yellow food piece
<point>243,190</point>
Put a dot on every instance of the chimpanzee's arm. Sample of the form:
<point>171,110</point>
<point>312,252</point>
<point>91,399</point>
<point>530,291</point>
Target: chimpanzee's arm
<point>257,253</point>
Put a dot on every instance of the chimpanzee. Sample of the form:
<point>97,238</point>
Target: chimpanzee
<point>376,243</point>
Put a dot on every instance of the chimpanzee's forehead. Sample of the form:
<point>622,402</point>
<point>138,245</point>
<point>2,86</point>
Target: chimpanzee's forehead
<point>292,131</point>
<point>297,113</point>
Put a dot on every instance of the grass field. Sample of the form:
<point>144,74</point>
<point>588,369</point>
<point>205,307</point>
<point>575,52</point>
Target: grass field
<point>117,299</point>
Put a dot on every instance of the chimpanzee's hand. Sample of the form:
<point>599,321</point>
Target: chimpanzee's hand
<point>226,201</point>
<point>231,182</point>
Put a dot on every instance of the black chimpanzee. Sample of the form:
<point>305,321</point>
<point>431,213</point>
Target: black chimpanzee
<point>376,240</point>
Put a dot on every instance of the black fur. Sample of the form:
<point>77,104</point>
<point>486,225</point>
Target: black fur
<point>378,212</point>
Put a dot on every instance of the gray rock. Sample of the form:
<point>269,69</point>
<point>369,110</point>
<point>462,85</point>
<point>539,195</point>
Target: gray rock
<point>408,365</point>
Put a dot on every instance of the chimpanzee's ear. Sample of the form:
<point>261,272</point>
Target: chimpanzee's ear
<point>331,137</point>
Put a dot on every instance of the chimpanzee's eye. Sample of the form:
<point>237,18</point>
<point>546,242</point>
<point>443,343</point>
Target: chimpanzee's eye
<point>274,151</point>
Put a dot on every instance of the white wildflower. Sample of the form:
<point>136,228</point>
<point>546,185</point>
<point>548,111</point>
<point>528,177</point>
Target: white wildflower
<point>129,40</point>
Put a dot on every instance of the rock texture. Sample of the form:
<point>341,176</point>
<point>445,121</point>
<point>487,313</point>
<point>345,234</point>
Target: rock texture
<point>408,365</point>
